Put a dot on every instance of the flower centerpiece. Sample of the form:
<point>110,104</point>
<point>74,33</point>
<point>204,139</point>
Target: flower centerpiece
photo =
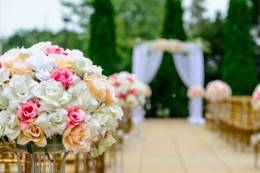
<point>195,91</point>
<point>53,99</point>
<point>129,90</point>
<point>131,93</point>
<point>217,91</point>
<point>168,45</point>
<point>256,98</point>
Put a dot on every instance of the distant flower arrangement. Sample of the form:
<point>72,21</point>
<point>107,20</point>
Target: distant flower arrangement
<point>256,98</point>
<point>130,91</point>
<point>49,92</point>
<point>168,45</point>
<point>195,91</point>
<point>217,91</point>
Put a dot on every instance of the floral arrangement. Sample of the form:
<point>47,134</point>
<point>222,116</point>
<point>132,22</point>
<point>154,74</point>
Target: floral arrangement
<point>168,45</point>
<point>217,91</point>
<point>49,93</point>
<point>195,91</point>
<point>130,91</point>
<point>256,98</point>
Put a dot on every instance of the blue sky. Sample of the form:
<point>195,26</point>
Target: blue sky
<point>29,14</point>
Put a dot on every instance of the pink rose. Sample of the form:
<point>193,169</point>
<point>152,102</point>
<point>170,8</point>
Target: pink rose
<point>131,79</point>
<point>53,49</point>
<point>132,92</point>
<point>121,96</point>
<point>75,115</point>
<point>64,76</point>
<point>113,78</point>
<point>117,84</point>
<point>256,96</point>
<point>27,113</point>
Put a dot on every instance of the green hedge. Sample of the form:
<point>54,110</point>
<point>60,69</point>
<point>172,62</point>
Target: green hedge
<point>238,67</point>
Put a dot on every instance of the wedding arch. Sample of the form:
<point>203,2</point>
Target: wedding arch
<point>188,59</point>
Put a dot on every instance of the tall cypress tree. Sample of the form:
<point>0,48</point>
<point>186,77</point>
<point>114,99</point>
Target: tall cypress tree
<point>102,46</point>
<point>168,89</point>
<point>238,65</point>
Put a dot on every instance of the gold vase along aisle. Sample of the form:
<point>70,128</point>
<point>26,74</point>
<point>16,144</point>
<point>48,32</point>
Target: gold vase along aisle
<point>55,101</point>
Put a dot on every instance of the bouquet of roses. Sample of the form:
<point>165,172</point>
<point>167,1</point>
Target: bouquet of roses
<point>195,91</point>
<point>49,93</point>
<point>130,91</point>
<point>256,98</point>
<point>217,91</point>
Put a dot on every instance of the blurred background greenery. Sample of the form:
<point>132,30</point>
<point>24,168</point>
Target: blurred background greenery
<point>109,29</point>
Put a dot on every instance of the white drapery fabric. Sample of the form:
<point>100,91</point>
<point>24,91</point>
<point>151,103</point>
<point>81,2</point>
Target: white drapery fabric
<point>189,65</point>
<point>145,66</point>
<point>146,63</point>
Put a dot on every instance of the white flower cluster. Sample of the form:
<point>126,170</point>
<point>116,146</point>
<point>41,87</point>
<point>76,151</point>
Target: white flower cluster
<point>130,91</point>
<point>217,91</point>
<point>46,91</point>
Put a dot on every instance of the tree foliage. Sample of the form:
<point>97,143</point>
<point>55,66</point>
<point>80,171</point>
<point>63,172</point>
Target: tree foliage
<point>238,65</point>
<point>28,38</point>
<point>102,45</point>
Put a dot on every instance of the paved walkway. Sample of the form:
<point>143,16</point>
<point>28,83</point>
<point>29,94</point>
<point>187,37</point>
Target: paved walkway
<point>174,146</point>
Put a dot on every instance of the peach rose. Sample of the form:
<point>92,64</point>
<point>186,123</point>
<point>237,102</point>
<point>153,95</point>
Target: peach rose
<point>96,87</point>
<point>65,62</point>
<point>100,88</point>
<point>110,96</point>
<point>32,133</point>
<point>18,66</point>
<point>77,138</point>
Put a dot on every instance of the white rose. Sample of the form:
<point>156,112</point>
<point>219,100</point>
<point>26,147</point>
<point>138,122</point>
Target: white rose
<point>42,65</point>
<point>11,124</point>
<point>4,74</point>
<point>19,89</point>
<point>53,123</point>
<point>78,87</point>
<point>86,101</point>
<point>52,93</point>
<point>43,75</point>
<point>107,116</point>
<point>10,55</point>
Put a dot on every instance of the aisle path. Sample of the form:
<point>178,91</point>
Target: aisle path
<point>174,146</point>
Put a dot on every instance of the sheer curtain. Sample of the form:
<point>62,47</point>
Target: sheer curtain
<point>145,66</point>
<point>190,67</point>
<point>146,63</point>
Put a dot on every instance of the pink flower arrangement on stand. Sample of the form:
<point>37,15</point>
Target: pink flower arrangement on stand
<point>50,93</point>
<point>129,90</point>
<point>217,91</point>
